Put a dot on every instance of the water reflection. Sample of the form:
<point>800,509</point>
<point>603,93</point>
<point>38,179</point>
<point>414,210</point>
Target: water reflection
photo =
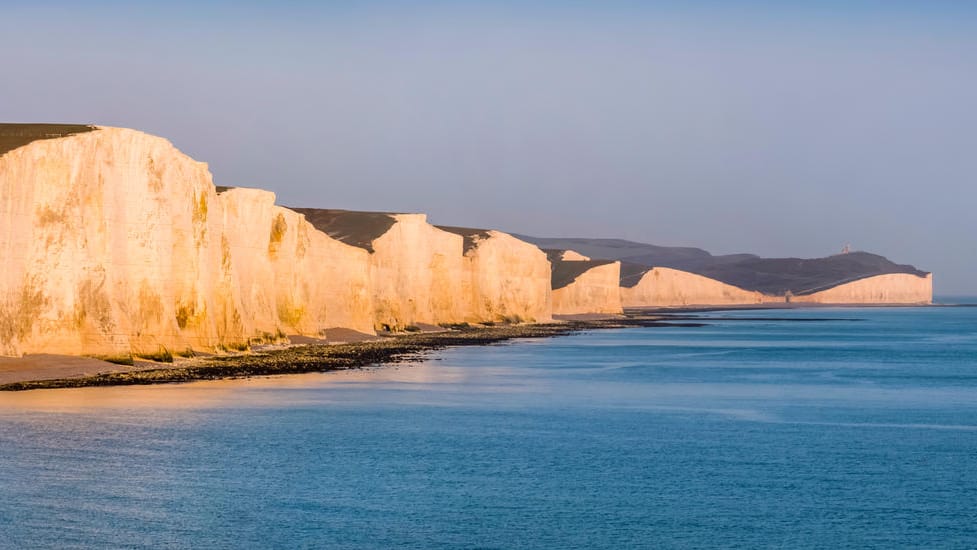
<point>295,389</point>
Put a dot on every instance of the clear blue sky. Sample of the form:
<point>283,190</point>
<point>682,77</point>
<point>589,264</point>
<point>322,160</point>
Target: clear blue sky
<point>766,127</point>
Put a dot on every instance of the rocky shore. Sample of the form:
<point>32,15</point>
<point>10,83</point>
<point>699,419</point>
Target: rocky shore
<point>329,357</point>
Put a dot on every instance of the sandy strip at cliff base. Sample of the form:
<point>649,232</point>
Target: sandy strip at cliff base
<point>46,366</point>
<point>49,366</point>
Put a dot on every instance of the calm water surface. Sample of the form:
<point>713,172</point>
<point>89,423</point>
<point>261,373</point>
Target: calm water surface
<point>818,428</point>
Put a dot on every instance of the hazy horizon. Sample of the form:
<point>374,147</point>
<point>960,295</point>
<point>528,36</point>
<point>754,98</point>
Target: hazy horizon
<point>753,127</point>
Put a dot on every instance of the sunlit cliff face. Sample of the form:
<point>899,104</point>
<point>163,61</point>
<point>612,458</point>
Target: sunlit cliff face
<point>585,286</point>
<point>662,286</point>
<point>893,288</point>
<point>115,243</point>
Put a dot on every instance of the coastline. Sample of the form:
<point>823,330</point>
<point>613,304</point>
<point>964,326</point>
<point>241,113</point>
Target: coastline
<point>305,358</point>
<point>306,355</point>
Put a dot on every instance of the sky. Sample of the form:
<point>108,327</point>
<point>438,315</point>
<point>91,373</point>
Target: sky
<point>777,128</point>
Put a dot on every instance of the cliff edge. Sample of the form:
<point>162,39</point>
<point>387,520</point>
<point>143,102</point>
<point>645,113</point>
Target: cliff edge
<point>681,275</point>
<point>115,242</point>
<point>584,286</point>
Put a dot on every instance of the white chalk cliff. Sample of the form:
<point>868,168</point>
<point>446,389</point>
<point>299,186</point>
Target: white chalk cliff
<point>892,288</point>
<point>584,286</point>
<point>506,279</point>
<point>114,242</point>
<point>666,287</point>
<point>417,271</point>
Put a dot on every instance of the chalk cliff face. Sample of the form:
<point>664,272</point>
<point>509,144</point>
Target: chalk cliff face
<point>665,287</point>
<point>417,271</point>
<point>584,286</point>
<point>289,276</point>
<point>105,235</point>
<point>506,279</point>
<point>114,241</point>
<point>893,288</point>
<point>771,277</point>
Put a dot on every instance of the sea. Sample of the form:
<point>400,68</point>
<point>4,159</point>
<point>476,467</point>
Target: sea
<point>801,428</point>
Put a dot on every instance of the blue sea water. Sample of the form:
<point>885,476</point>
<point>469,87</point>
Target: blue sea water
<point>818,428</point>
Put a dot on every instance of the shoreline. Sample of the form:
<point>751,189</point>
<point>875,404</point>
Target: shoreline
<point>306,358</point>
<point>310,356</point>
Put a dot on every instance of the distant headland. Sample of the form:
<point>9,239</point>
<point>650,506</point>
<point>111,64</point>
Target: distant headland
<point>116,244</point>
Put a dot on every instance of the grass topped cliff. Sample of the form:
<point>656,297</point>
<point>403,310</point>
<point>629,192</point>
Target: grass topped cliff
<point>564,272</point>
<point>470,235</point>
<point>804,276</point>
<point>677,257</point>
<point>773,276</point>
<point>211,282</point>
<point>354,228</point>
<point>14,136</point>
